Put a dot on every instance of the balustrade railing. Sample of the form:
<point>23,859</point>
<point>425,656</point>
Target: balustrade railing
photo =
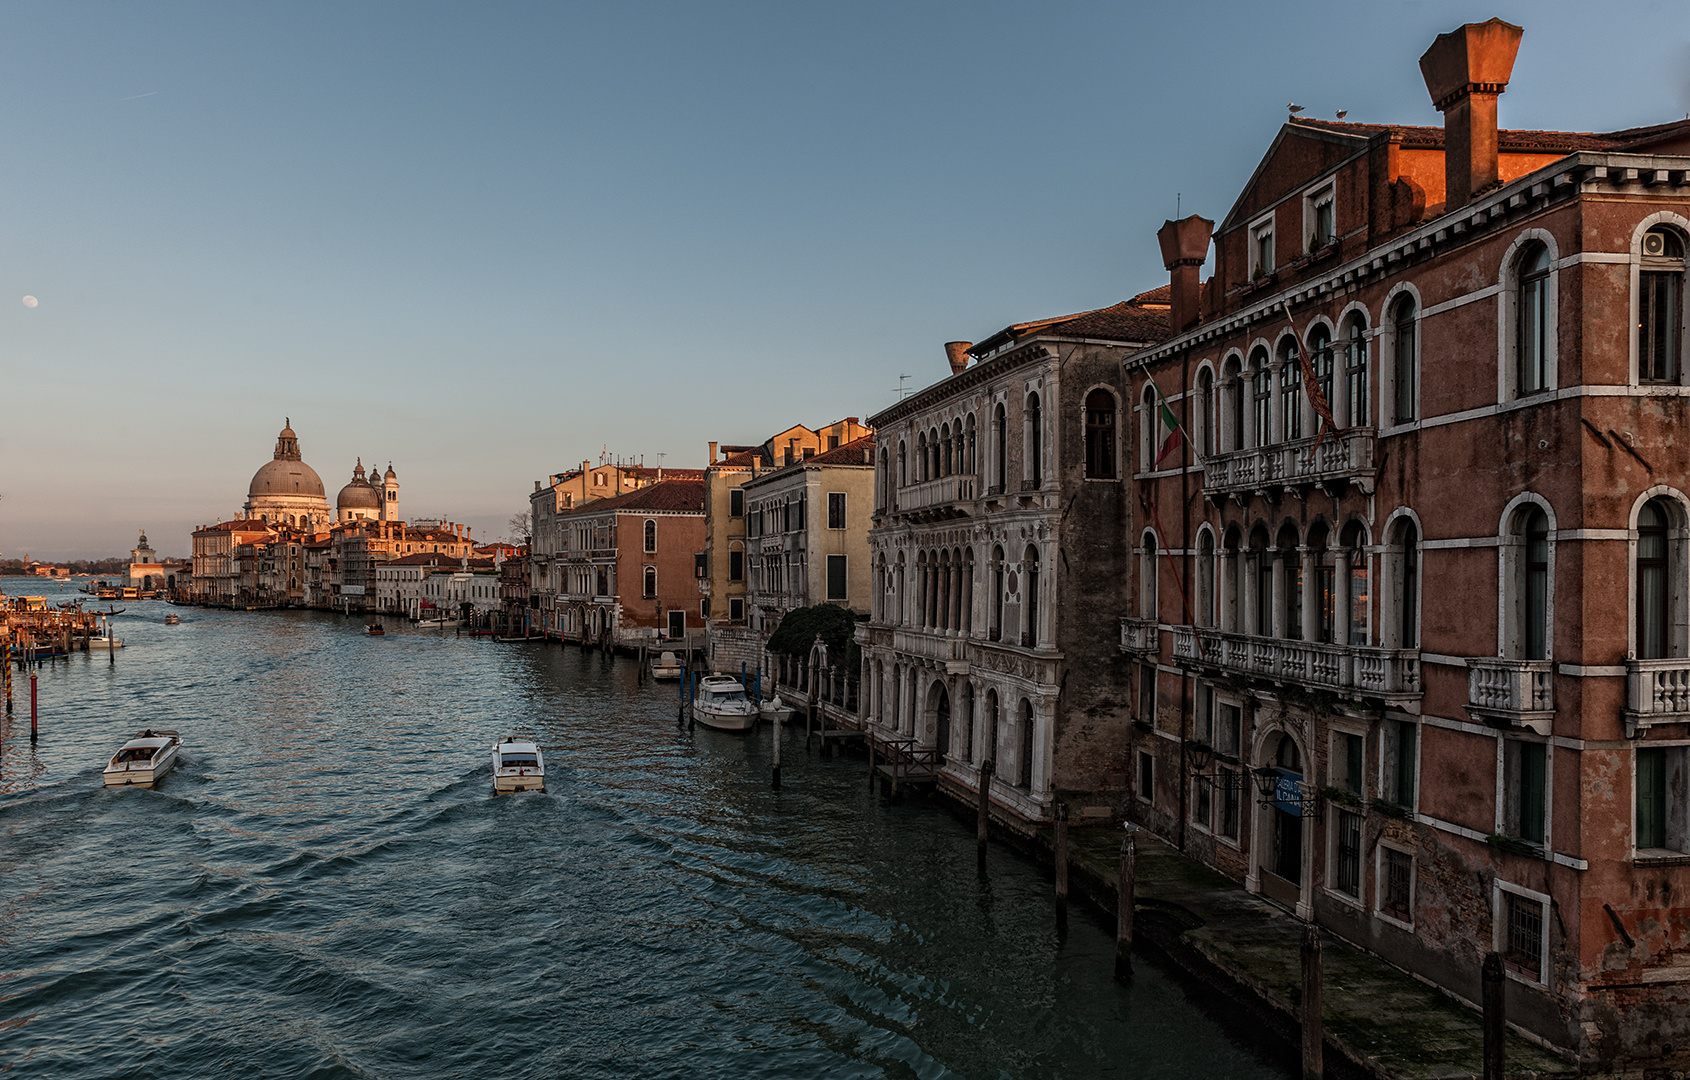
<point>1656,692</point>
<point>1345,455</point>
<point>1511,693</point>
<point>1140,636</point>
<point>1356,669</point>
<point>933,493</point>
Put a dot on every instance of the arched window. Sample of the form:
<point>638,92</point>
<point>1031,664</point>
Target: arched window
<point>1100,435</point>
<point>1404,350</point>
<point>1660,307</point>
<point>1290,584</point>
<point>1147,582</point>
<point>1321,362</point>
<point>1030,609</point>
<point>1527,635</point>
<point>651,536</point>
<point>1026,779</point>
<point>1232,583</point>
<point>1532,321</point>
<point>1261,381</point>
<point>1205,614</point>
<point>1035,441</point>
<point>1653,589</point>
<point>1000,448</point>
<point>1356,593</point>
<point>933,450</point>
<point>1325,584</point>
<point>1403,577</point>
<point>885,482</point>
<point>922,472</point>
<point>1236,394</point>
<point>650,582</point>
<point>1355,373</point>
<point>972,450</point>
<point>947,461</point>
<point>1206,441</point>
<point>1262,563</point>
<point>903,465</point>
<point>1290,392</point>
<point>995,630</point>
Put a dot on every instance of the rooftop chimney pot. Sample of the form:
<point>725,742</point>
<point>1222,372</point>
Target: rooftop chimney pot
<point>957,353</point>
<point>1465,71</point>
<point>1185,244</point>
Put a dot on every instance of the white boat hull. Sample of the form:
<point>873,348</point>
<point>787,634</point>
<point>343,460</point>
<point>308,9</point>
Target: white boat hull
<point>531,782</point>
<point>140,774</point>
<point>666,673</point>
<point>724,721</point>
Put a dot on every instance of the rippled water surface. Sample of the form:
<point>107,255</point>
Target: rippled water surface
<point>326,887</point>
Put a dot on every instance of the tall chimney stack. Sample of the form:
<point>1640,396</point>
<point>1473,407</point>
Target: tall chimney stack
<point>1465,71</point>
<point>957,353</point>
<point>1185,244</point>
<point>712,460</point>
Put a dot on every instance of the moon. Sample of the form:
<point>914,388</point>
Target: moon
<point>30,301</point>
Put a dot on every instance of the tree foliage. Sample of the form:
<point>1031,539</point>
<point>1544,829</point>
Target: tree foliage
<point>836,626</point>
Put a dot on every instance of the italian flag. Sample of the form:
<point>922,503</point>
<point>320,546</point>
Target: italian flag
<point>1169,434</point>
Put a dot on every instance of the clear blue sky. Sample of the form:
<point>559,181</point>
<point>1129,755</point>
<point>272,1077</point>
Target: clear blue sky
<point>484,241</point>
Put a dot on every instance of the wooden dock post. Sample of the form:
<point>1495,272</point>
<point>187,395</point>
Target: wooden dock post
<point>1495,1017</point>
<point>774,781</point>
<point>1124,906</point>
<point>32,708</point>
<point>987,768</point>
<point>681,697</point>
<point>1313,1058</point>
<point>1061,865</point>
<point>868,741</point>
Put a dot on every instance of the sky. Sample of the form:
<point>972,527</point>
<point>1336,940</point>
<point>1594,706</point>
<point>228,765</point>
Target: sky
<point>486,242</point>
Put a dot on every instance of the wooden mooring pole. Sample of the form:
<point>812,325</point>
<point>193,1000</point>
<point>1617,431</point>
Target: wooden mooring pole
<point>1495,1018</point>
<point>1313,1062</point>
<point>774,779</point>
<point>33,711</point>
<point>1124,906</point>
<point>1062,865</point>
<point>987,768</point>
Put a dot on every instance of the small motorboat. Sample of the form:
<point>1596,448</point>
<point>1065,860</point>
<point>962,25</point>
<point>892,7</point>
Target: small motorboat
<point>721,704</point>
<point>775,710</point>
<point>518,766</point>
<point>375,629</point>
<point>666,666</point>
<point>104,641</point>
<point>172,619</point>
<point>433,623</point>
<point>144,760</point>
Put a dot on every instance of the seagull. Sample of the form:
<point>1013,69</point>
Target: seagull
<point>1343,113</point>
<point>1295,108</point>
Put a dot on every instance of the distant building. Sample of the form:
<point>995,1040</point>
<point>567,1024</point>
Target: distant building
<point>145,569</point>
<point>628,566</point>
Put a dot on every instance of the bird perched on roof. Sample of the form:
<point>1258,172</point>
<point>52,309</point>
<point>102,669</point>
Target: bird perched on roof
<point>1343,113</point>
<point>1295,108</point>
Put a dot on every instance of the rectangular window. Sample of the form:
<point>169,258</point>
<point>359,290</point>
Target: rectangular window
<point>736,565</point>
<point>1261,249</point>
<point>736,502</point>
<point>1523,777</point>
<point>1396,886</point>
<point>1202,800</point>
<point>1229,730</point>
<point>1232,787</point>
<point>836,577</point>
<point>1147,694</point>
<point>1651,798</point>
<point>1205,718</point>
<point>1400,744</point>
<point>1321,222</point>
<point>1146,776</point>
<point>1660,324</point>
<point>836,509</point>
<point>736,608</point>
<point>1522,926</point>
<point>1346,767</point>
<point>1346,854</point>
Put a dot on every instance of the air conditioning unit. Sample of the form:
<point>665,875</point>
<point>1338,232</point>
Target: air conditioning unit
<point>1654,244</point>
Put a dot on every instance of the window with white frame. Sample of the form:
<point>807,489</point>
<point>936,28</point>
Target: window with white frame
<point>1319,219</point>
<point>1525,790</point>
<point>1660,307</point>
<point>1404,325</point>
<point>1261,248</point>
<point>1399,760</point>
<point>1146,776</point>
<point>1526,557</point>
<point>1534,322</point>
<point>1522,932</point>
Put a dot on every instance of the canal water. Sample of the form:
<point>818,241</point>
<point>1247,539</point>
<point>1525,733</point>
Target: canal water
<point>326,886</point>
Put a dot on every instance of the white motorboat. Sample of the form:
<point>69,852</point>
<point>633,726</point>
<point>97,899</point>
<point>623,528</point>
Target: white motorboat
<point>518,766</point>
<point>721,704</point>
<point>666,666</point>
<point>104,641</point>
<point>433,623</point>
<point>144,760</point>
<point>775,709</point>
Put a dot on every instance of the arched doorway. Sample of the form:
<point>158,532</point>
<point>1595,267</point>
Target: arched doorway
<point>939,716</point>
<point>1282,844</point>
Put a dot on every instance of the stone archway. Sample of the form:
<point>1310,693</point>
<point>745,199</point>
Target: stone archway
<point>939,715</point>
<point>1283,841</point>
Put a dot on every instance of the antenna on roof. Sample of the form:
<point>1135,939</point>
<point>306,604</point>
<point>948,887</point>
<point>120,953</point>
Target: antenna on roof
<point>1176,205</point>
<point>901,380</point>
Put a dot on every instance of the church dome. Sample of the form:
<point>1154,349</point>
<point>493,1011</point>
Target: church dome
<point>286,476</point>
<point>359,494</point>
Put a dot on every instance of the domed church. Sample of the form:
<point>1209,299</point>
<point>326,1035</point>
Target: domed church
<point>286,491</point>
<point>374,499</point>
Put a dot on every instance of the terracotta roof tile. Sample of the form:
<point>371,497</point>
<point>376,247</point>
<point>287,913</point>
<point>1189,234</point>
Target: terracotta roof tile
<point>856,452</point>
<point>1420,137</point>
<point>675,496</point>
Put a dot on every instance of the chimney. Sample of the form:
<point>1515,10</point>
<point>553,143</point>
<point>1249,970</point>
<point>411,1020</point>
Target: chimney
<point>957,353</point>
<point>536,485</point>
<point>1465,71</point>
<point>712,459</point>
<point>1185,244</point>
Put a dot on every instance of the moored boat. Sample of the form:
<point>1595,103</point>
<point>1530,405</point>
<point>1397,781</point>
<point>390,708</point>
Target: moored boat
<point>721,704</point>
<point>666,666</point>
<point>518,766</point>
<point>375,629</point>
<point>775,709</point>
<point>143,760</point>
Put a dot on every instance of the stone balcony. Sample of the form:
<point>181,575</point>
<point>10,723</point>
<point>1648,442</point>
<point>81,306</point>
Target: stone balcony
<point>1516,694</point>
<point>1351,670</point>
<point>1140,637</point>
<point>948,496</point>
<point>1342,457</point>
<point>940,646</point>
<point>1656,692</point>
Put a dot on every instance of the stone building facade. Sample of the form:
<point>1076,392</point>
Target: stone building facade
<point>1000,505</point>
<point>807,530</point>
<point>1412,659</point>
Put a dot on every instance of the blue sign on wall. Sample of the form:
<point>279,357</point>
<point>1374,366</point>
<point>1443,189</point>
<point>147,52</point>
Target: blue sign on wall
<point>1288,793</point>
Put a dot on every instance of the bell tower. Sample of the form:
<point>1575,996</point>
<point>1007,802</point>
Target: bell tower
<point>389,495</point>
